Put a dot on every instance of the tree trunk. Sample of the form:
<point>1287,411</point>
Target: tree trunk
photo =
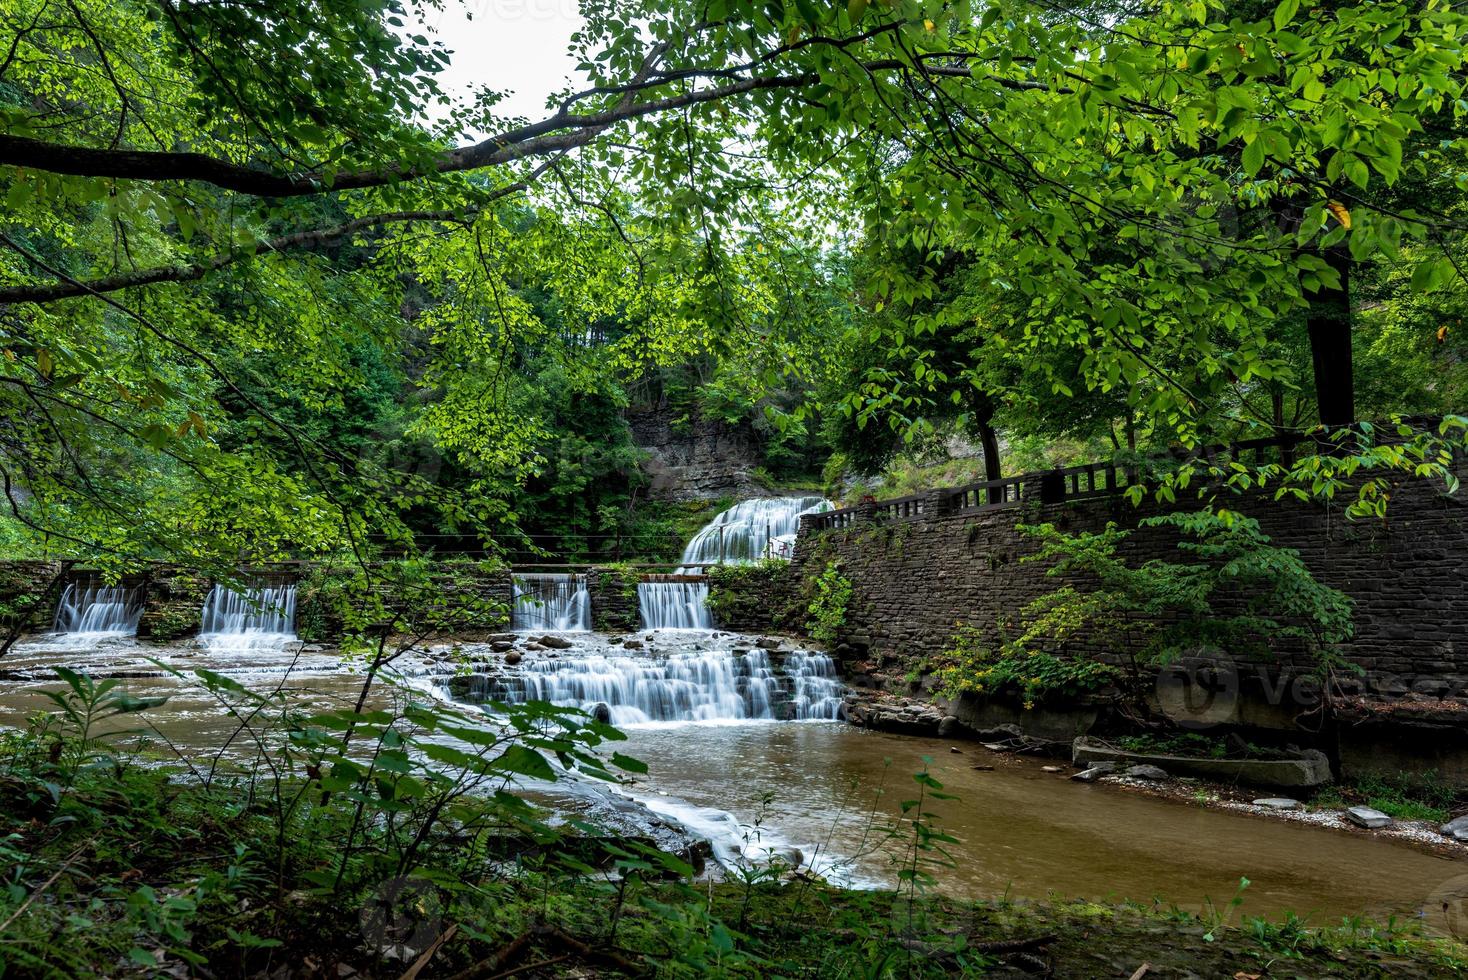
<point>1329,325</point>
<point>989,440</point>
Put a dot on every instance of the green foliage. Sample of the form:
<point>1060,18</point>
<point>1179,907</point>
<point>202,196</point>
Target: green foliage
<point>1403,795</point>
<point>827,609</point>
<point>1238,594</point>
<point>971,666</point>
<point>741,593</point>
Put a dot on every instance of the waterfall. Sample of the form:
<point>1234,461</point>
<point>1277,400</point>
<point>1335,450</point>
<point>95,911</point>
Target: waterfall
<point>679,604</point>
<point>544,601</point>
<point>99,609</point>
<point>764,527</point>
<point>686,685</point>
<point>817,686</point>
<point>259,617</point>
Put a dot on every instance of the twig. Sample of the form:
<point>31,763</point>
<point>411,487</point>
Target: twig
<point>44,885</point>
<point>1141,971</point>
<point>506,953</point>
<point>412,972</point>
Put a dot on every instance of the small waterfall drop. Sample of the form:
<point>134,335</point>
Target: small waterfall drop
<point>763,527</point>
<point>686,684</point>
<point>546,601</point>
<point>259,617</point>
<point>675,604</point>
<point>99,610</point>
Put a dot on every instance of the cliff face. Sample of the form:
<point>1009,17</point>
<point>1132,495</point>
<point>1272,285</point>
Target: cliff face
<point>696,459</point>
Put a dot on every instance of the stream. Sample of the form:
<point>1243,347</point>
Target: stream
<point>727,761</point>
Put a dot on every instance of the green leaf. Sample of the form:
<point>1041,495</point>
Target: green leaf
<point>1285,13</point>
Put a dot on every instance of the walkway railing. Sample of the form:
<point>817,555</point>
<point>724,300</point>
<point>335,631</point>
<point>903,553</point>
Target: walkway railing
<point>1051,486</point>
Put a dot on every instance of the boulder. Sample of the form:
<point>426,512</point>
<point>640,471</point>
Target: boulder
<point>504,637</point>
<point>555,642</point>
<point>1456,828</point>
<point>1278,803</point>
<point>632,644</point>
<point>1092,774</point>
<point>601,712</point>
<point>533,645</point>
<point>1364,816</point>
<point>791,856</point>
<point>1145,772</point>
<point>500,646</point>
<point>513,657</point>
<point>950,727</point>
<point>768,643</point>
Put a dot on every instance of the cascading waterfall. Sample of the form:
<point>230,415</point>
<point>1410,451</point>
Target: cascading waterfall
<point>764,527</point>
<point>547,601</point>
<point>676,604</point>
<point>259,617</point>
<point>818,690</point>
<point>110,610</point>
<point>687,685</point>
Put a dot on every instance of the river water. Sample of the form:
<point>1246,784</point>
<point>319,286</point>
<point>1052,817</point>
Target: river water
<point>827,788</point>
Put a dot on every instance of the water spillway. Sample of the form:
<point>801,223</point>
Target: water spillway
<point>674,603</point>
<point>258,617</point>
<point>546,601</point>
<point>99,610</point>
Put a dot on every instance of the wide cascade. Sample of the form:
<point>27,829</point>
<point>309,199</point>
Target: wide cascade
<point>259,617</point>
<point>674,603</point>
<point>100,610</point>
<point>683,684</point>
<point>550,601</point>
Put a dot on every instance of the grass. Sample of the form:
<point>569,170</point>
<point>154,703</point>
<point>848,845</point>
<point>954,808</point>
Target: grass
<point>1403,796</point>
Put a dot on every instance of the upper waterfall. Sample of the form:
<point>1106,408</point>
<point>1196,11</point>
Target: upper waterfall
<point>762,527</point>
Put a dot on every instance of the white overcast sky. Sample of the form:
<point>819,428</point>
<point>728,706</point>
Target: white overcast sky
<point>516,45</point>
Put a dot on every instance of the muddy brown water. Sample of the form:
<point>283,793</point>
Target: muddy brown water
<point>829,789</point>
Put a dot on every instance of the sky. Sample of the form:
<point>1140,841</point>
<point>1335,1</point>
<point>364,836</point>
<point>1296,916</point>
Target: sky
<point>507,44</point>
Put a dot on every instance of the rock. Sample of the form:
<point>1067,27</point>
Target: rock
<point>791,856</point>
<point>532,645</point>
<point>500,646</point>
<point>982,768</point>
<point>504,637</point>
<point>1310,769</point>
<point>768,643</point>
<point>950,727</point>
<point>1364,816</point>
<point>601,712</point>
<point>312,648</point>
<point>1145,772</point>
<point>1456,828</point>
<point>556,642</point>
<point>955,750</point>
<point>1278,803</point>
<point>996,746</point>
<point>513,657</point>
<point>1051,769</point>
<point>1089,775</point>
<point>632,644</point>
